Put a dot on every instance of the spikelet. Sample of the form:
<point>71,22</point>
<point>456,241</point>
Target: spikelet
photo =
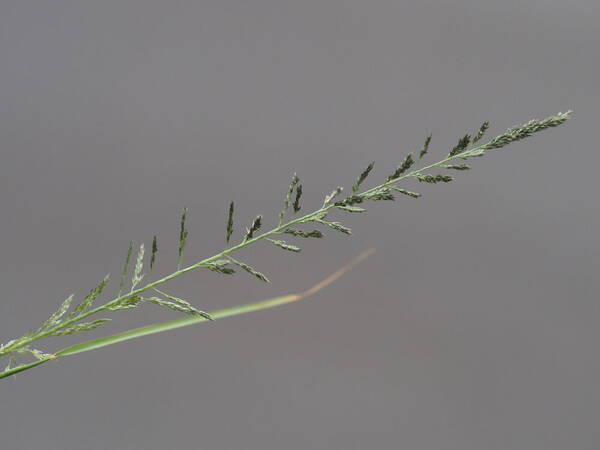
<point>256,224</point>
<point>220,266</point>
<point>154,251</point>
<point>183,235</point>
<point>304,234</point>
<point>86,326</point>
<point>297,199</point>
<point>127,302</point>
<point>337,191</point>
<point>125,268</point>
<point>425,147</point>
<point>405,192</point>
<point>250,270</point>
<point>284,245</point>
<point>55,319</point>
<point>288,198</point>
<point>434,178</point>
<point>462,145</point>
<point>353,209</point>
<point>229,223</point>
<point>457,167</point>
<point>482,129</point>
<point>350,200</point>
<point>406,164</point>
<point>380,194</point>
<point>362,177</point>
<point>139,267</point>
<point>178,304</point>
<point>336,226</point>
<point>37,354</point>
<point>86,303</point>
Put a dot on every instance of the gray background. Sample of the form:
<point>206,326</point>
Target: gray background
<point>474,326</point>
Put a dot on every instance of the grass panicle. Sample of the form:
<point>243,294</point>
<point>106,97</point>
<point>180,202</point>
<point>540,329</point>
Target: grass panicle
<point>62,322</point>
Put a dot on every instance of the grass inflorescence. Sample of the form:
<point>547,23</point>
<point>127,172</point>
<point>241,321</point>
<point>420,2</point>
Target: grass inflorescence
<point>69,319</point>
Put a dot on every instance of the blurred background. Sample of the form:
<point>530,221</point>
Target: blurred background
<point>475,324</point>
